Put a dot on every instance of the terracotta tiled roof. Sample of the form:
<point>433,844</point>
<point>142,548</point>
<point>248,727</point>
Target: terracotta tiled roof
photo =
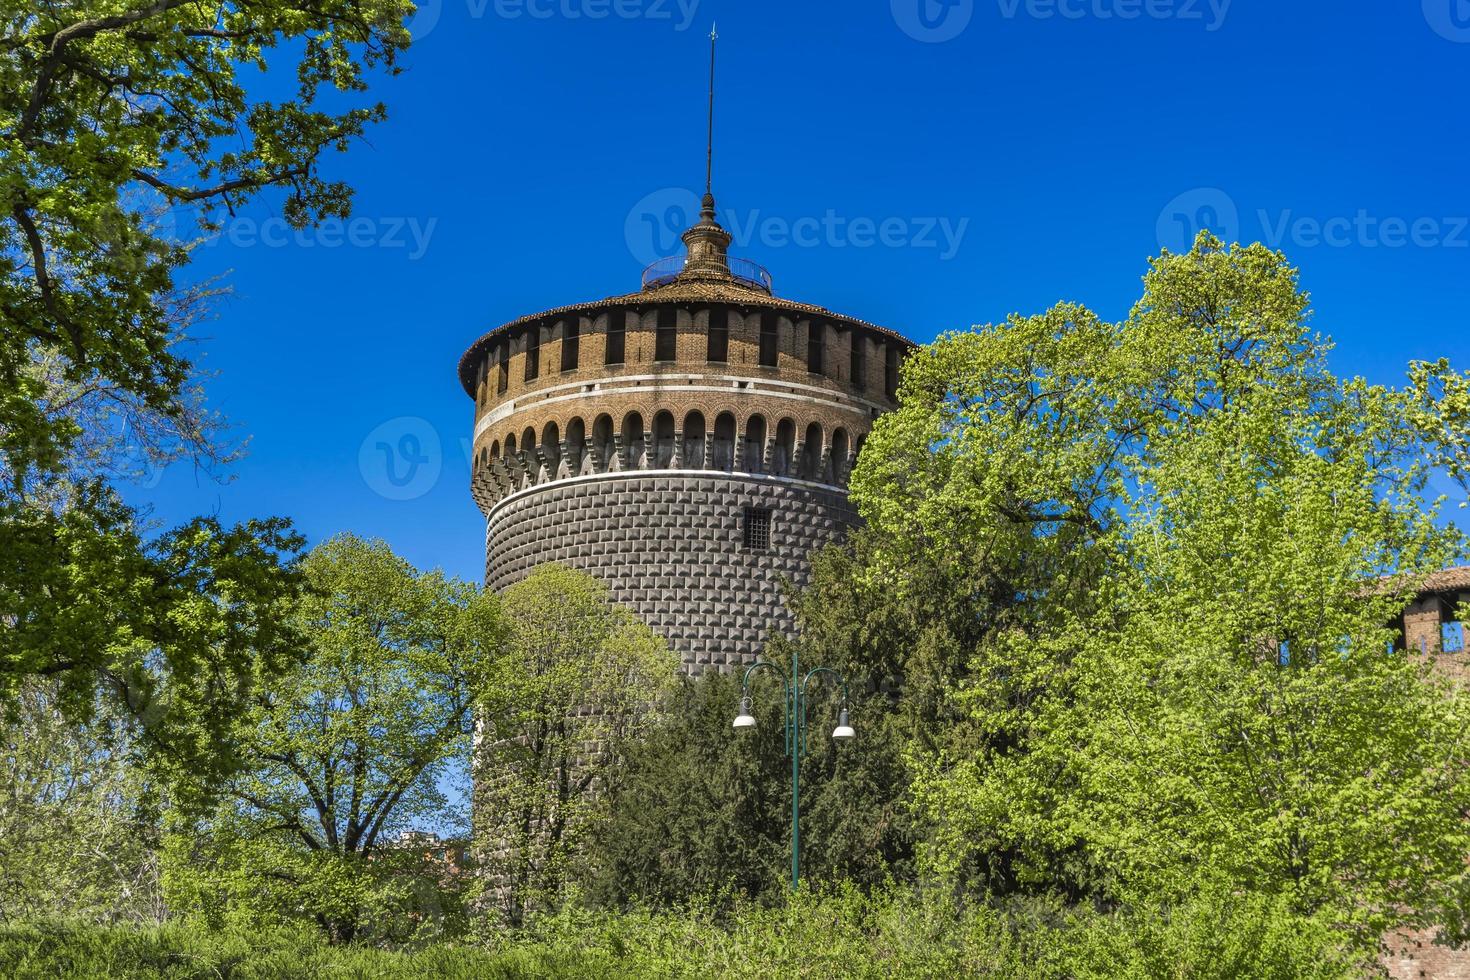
<point>678,291</point>
<point>1449,580</point>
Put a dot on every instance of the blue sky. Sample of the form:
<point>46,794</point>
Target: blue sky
<point>924,167</point>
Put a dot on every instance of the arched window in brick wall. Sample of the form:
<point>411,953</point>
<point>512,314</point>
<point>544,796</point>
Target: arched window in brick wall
<point>755,445</point>
<point>576,445</point>
<point>551,447</point>
<point>635,443</point>
<point>784,449</point>
<point>841,446</point>
<point>811,452</point>
<point>694,440</point>
<point>510,444</point>
<point>724,445</point>
<point>663,440</point>
<point>603,442</point>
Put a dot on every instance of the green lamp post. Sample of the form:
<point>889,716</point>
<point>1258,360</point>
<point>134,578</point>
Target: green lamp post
<point>796,726</point>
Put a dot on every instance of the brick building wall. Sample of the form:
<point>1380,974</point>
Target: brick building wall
<point>1445,599</point>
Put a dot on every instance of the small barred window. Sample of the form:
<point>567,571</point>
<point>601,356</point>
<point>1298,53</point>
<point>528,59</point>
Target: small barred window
<point>757,528</point>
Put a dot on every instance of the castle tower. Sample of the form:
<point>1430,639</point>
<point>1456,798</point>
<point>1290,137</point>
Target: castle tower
<point>689,444</point>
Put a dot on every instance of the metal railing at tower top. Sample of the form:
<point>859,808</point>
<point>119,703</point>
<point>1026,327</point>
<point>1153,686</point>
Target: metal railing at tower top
<point>744,271</point>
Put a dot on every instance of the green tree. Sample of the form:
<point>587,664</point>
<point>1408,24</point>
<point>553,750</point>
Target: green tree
<point>349,751</point>
<point>117,125</point>
<point>581,683</point>
<point>1140,520</point>
<point>78,820</point>
<point>699,812</point>
<point>100,103</point>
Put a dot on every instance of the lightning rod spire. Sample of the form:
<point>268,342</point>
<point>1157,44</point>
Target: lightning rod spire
<point>709,149</point>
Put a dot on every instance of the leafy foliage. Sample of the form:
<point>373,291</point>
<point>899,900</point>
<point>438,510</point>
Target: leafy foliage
<point>78,819</point>
<point>841,934</point>
<point>177,630</point>
<point>578,686</point>
<point>698,812</point>
<point>1144,563</point>
<point>348,751</point>
<point>118,123</point>
<point>98,100</point>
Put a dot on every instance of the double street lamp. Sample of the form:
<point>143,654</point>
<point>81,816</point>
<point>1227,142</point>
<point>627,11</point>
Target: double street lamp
<point>796,728</point>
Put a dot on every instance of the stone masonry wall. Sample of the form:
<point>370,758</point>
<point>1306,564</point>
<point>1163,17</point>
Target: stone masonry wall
<point>671,548</point>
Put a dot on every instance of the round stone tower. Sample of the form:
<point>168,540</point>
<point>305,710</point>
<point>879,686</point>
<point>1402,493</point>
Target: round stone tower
<point>689,444</point>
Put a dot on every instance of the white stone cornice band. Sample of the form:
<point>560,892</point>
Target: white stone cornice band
<point>633,385</point>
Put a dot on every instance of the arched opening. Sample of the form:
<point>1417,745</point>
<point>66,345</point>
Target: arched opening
<point>724,442</point>
<point>551,447</point>
<point>840,448</point>
<point>811,452</point>
<point>663,440</point>
<point>495,449</point>
<point>576,445</point>
<point>634,441</point>
<point>694,441</point>
<point>785,447</point>
<point>510,444</point>
<point>755,444</point>
<point>602,440</point>
<point>528,445</point>
<point>484,458</point>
